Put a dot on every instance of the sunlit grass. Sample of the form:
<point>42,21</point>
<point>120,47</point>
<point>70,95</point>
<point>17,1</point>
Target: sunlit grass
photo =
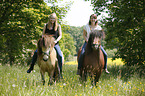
<point>14,81</point>
<point>72,63</point>
<point>109,61</point>
<point>116,61</point>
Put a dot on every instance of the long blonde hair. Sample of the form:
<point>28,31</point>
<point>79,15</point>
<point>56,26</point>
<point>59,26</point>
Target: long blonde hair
<point>55,23</point>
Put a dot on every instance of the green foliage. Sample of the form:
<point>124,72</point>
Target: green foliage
<point>76,33</point>
<point>67,46</point>
<point>125,28</point>
<point>21,25</point>
<point>111,53</point>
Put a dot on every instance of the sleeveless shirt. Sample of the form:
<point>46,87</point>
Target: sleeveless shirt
<point>52,32</point>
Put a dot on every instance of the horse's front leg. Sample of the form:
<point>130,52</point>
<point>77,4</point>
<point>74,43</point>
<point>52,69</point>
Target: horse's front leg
<point>43,78</point>
<point>83,76</point>
<point>51,77</point>
<point>92,76</point>
<point>96,79</point>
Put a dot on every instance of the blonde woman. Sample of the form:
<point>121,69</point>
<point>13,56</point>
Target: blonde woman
<point>92,25</point>
<point>53,28</point>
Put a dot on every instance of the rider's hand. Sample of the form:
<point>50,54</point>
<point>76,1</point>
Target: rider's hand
<point>55,41</point>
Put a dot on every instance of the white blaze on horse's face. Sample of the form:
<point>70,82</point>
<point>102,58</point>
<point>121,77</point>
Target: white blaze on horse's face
<point>96,42</point>
<point>46,53</point>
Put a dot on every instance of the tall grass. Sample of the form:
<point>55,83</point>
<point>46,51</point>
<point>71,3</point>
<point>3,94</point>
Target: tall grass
<point>122,81</point>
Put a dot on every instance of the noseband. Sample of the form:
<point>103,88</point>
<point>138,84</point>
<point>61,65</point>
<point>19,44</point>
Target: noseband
<point>46,54</point>
<point>96,46</point>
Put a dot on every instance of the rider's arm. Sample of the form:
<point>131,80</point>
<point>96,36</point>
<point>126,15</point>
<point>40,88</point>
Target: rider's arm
<point>60,34</point>
<point>85,35</point>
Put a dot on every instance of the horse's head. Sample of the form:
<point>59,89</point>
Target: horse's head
<point>46,45</point>
<point>95,39</point>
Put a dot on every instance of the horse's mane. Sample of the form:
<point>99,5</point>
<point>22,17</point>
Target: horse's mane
<point>93,34</point>
<point>45,41</point>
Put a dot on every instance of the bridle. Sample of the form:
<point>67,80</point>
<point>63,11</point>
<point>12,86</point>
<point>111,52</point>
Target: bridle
<point>47,54</point>
<point>96,46</point>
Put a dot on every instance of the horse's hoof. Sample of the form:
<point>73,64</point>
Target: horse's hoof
<point>50,83</point>
<point>60,76</point>
<point>78,72</point>
<point>43,82</point>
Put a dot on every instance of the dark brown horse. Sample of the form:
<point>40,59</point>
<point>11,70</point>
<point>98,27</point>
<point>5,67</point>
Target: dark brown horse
<point>93,62</point>
<point>47,59</point>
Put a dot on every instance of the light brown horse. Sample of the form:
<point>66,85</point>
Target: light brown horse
<point>47,59</point>
<point>93,62</point>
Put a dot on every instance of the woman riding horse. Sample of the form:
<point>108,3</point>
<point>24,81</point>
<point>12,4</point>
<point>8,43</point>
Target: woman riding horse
<point>93,25</point>
<point>93,62</point>
<point>52,28</point>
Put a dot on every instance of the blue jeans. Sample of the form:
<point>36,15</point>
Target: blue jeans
<point>80,61</point>
<point>59,57</point>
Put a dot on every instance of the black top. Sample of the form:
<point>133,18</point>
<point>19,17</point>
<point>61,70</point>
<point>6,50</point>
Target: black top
<point>52,32</point>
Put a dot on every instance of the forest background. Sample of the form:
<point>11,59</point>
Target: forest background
<point>22,22</point>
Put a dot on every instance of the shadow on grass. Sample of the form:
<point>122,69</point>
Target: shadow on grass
<point>126,72</point>
<point>123,72</point>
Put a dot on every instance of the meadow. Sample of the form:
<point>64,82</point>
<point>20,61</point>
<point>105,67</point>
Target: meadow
<point>122,81</point>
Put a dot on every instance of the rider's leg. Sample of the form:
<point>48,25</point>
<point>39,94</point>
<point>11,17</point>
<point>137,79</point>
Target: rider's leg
<point>59,57</point>
<point>105,58</point>
<point>34,59</point>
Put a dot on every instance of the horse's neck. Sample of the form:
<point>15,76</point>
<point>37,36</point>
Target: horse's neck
<point>91,51</point>
<point>97,51</point>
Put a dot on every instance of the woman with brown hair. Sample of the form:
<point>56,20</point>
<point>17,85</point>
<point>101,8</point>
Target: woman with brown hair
<point>92,25</point>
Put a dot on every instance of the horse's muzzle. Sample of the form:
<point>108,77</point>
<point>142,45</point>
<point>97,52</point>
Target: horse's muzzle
<point>95,46</point>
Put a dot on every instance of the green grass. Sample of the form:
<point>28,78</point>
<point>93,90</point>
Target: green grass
<point>122,81</point>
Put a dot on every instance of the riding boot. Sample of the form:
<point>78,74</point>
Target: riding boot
<point>61,77</point>
<point>105,66</point>
<point>34,59</point>
<point>106,71</point>
<point>60,66</point>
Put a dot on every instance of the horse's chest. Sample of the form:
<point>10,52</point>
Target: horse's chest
<point>46,65</point>
<point>91,62</point>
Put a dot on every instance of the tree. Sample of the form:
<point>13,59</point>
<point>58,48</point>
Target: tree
<point>76,33</point>
<point>67,46</point>
<point>125,28</point>
<point>21,25</point>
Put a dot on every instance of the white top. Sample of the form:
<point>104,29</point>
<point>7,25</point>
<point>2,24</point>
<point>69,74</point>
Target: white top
<point>88,30</point>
